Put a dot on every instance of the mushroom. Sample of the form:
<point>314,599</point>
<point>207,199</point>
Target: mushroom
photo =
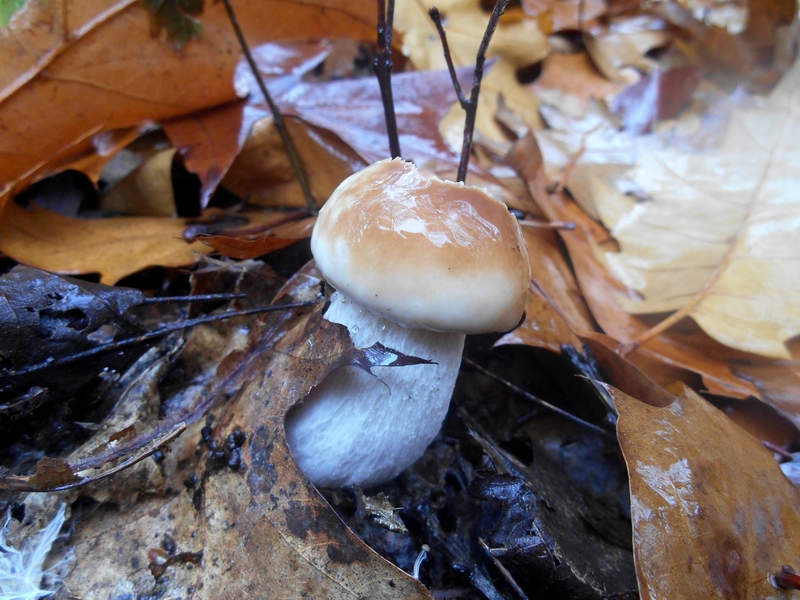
<point>417,263</point>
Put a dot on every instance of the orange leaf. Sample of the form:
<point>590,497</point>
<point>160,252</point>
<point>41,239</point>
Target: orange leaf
<point>81,68</point>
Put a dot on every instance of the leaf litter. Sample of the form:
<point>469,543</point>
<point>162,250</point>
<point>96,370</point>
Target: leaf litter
<point>510,513</point>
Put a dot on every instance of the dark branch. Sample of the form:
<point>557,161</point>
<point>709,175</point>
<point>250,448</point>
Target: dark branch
<point>280,124</point>
<point>116,345</point>
<point>383,70</point>
<point>470,105</point>
<point>436,17</point>
<point>195,298</point>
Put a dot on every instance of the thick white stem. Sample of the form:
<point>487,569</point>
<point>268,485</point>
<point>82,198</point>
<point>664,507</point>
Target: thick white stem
<point>355,429</point>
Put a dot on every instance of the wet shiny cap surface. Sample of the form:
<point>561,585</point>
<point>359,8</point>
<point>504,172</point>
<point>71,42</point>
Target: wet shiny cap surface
<point>423,252</point>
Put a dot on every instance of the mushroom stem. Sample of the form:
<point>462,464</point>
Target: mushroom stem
<point>355,428</point>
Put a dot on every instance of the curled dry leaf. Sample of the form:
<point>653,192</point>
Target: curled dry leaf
<point>267,240</point>
<point>620,48</point>
<point>570,81</point>
<point>659,95</point>
<point>713,515</point>
<point>554,310</point>
<point>146,191</point>
<point>555,15</point>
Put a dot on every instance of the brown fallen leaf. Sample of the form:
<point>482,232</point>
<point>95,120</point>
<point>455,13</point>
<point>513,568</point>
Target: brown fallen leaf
<point>518,42</point>
<point>353,110</point>
<point>570,81</point>
<point>114,247</point>
<point>147,191</point>
<point>560,16</point>
<point>263,174</point>
<point>684,347</point>
<point>656,96</point>
<point>713,515</point>
<point>268,240</point>
<point>554,310</point>
<point>211,139</point>
<point>717,238</point>
<point>99,60</point>
<point>229,489</point>
<point>741,44</point>
<point>620,47</point>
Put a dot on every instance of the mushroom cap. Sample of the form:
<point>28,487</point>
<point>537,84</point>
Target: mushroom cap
<point>423,252</point>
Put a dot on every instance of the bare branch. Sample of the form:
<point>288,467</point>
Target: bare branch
<point>280,124</point>
<point>383,70</point>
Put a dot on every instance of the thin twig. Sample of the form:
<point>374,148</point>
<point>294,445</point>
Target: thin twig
<point>470,105</point>
<point>537,400</point>
<point>566,225</point>
<point>383,70</point>
<point>436,17</point>
<point>195,298</point>
<point>280,124</point>
<point>152,335</point>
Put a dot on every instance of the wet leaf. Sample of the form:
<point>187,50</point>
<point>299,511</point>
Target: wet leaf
<point>263,174</point>
<point>620,48</point>
<point>147,191</point>
<point>98,58</point>
<point>113,247</point>
<point>266,241</point>
<point>713,515</point>
<point>656,96</point>
<point>683,346</point>
<point>560,15</point>
<point>715,238</point>
<point>211,139</point>
<point>247,507</point>
<point>570,81</point>
<point>518,42</point>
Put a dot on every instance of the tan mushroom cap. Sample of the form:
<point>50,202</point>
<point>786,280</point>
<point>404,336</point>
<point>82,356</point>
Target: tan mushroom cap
<point>423,252</point>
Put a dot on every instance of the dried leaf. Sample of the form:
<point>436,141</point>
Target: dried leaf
<point>242,502</point>
<point>353,110</point>
<point>719,230</point>
<point>656,96</point>
<point>682,346</point>
<point>272,239</point>
<point>554,310</point>
<point>99,59</point>
<point>712,513</point>
<point>518,42</point>
<point>210,140</point>
<point>263,174</point>
<point>147,191</point>
<point>570,81</point>
<point>113,247</point>
<point>571,15</point>
<point>620,47</point>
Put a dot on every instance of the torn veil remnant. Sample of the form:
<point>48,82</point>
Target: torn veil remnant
<point>417,263</point>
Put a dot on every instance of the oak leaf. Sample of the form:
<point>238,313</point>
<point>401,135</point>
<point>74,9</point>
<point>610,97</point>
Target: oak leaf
<point>717,234</point>
<point>713,516</point>
<point>95,68</point>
